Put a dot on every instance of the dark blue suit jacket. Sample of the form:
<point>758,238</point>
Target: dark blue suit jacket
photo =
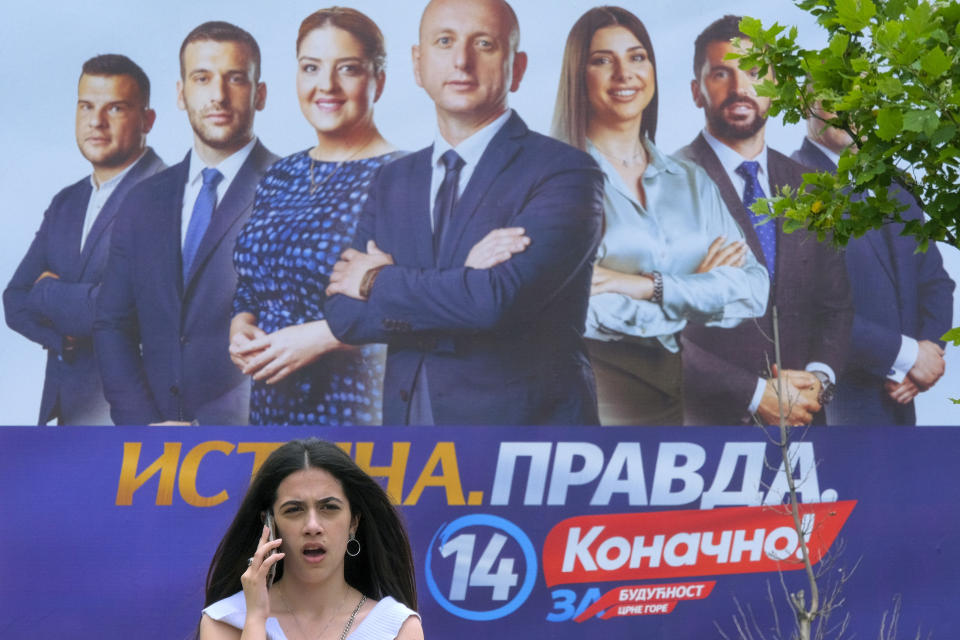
<point>502,345</point>
<point>811,294</point>
<point>54,308</point>
<point>896,292</point>
<point>162,344</point>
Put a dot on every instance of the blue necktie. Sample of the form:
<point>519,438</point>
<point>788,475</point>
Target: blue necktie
<point>200,219</point>
<point>446,197</point>
<point>767,232</point>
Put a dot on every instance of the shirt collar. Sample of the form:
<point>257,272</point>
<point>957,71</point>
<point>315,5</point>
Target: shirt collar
<point>830,153</point>
<point>115,180</point>
<point>729,158</point>
<point>229,167</point>
<point>471,149</point>
<point>659,161</point>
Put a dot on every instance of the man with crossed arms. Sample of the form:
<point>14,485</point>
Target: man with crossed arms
<point>473,257</point>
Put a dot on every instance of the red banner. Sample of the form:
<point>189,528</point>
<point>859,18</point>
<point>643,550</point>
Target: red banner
<point>676,544</point>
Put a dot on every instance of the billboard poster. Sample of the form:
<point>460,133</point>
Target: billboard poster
<point>540,533</point>
<point>46,43</point>
<point>535,532</point>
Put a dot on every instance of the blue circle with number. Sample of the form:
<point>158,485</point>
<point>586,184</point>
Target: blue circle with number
<point>493,522</point>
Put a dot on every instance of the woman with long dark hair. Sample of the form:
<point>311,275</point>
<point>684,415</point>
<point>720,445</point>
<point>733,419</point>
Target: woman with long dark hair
<point>671,253</point>
<point>305,215</point>
<point>316,551</point>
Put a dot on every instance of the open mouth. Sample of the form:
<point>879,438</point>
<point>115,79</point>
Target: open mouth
<point>314,553</point>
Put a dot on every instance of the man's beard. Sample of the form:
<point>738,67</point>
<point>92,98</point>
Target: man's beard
<point>723,128</point>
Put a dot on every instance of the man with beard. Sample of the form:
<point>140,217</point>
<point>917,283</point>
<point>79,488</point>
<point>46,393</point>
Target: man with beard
<point>729,375</point>
<point>161,334</point>
<point>52,297</point>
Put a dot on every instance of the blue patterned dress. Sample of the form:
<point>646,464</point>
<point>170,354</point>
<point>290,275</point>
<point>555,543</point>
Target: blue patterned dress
<point>283,258</point>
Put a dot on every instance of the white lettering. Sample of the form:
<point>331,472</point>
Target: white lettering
<point>670,470</point>
<point>749,493</point>
<point>741,544</point>
<point>691,544</point>
<point>539,454</point>
<point>580,549</point>
<point>626,457</point>
<point>563,475</point>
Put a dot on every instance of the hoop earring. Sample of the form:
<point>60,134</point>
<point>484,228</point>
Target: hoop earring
<point>355,553</point>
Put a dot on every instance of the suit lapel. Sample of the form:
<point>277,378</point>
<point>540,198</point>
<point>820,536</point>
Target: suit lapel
<point>707,159</point>
<point>172,210</point>
<point>71,233</point>
<point>236,202</point>
<point>148,165</point>
<point>422,230</point>
<point>495,159</point>
<point>814,158</point>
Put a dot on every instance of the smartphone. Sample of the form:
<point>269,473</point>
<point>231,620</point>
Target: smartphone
<point>271,525</point>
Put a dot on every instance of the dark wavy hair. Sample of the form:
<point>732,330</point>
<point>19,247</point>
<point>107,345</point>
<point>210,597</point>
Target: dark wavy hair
<point>384,566</point>
<point>572,109</point>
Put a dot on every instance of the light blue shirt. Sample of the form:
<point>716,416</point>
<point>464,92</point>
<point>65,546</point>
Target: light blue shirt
<point>229,168</point>
<point>470,151</point>
<point>684,214</point>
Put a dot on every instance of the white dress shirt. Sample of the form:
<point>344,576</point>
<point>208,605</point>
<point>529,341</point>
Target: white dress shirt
<point>470,150</point>
<point>229,168</point>
<point>99,196</point>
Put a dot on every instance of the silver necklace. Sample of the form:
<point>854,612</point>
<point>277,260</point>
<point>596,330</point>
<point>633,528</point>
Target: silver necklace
<point>626,162</point>
<point>314,185</point>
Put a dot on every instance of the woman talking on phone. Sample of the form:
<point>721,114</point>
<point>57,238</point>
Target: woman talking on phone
<point>671,253</point>
<point>304,216</point>
<point>315,552</point>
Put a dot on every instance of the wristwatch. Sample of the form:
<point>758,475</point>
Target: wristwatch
<point>827,388</point>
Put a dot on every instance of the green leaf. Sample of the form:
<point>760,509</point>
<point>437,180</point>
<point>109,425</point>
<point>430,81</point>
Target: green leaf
<point>751,27</point>
<point>935,62</point>
<point>890,86</point>
<point>889,123</point>
<point>944,133</point>
<point>854,15</point>
<point>838,44</point>
<point>952,336</point>
<point>921,121</point>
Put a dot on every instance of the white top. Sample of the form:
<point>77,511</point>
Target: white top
<point>382,623</point>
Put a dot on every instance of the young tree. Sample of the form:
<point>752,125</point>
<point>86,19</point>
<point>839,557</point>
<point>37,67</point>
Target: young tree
<point>890,74</point>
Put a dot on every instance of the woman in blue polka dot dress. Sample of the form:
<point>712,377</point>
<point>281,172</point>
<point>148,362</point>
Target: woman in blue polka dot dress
<point>305,214</point>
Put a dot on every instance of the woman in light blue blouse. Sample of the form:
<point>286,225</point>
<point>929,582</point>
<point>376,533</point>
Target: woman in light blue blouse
<point>671,253</point>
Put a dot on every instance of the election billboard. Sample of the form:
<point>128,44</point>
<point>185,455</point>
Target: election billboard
<point>552,533</point>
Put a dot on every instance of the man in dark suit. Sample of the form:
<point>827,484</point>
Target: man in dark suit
<point>161,333</point>
<point>52,296</point>
<point>728,373</point>
<point>903,303</point>
<point>476,336</point>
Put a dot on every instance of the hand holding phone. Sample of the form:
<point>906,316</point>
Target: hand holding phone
<point>258,577</point>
